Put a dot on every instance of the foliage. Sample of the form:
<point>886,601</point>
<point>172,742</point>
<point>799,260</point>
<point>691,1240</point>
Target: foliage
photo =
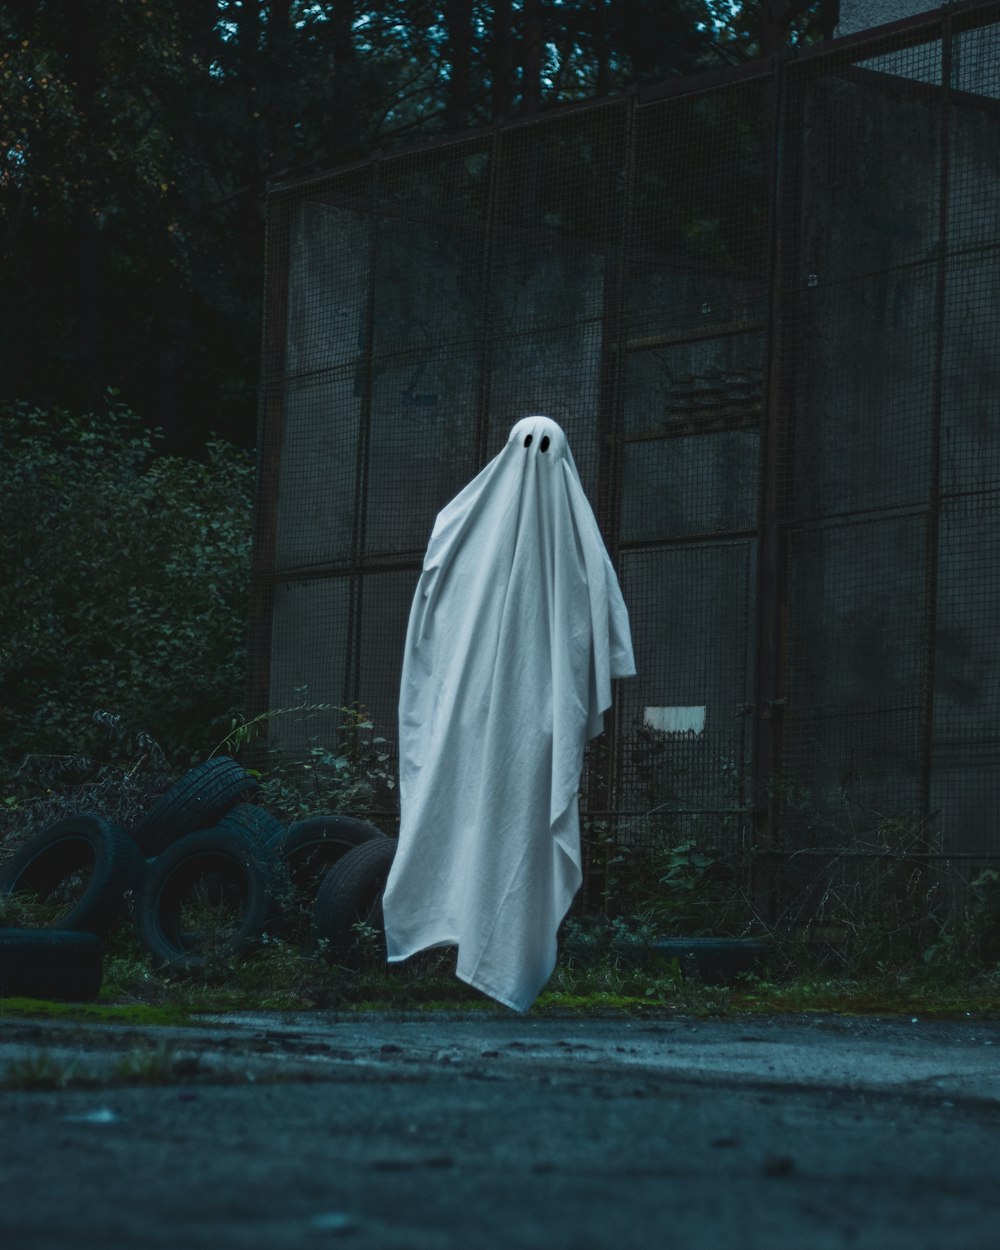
<point>213,921</point>
<point>48,788</point>
<point>243,732</point>
<point>125,576</point>
<point>973,939</point>
<point>353,773</point>
<point>862,891</point>
<point>31,911</point>
<point>346,770</point>
<point>25,911</point>
<point>668,883</point>
<point>982,914</point>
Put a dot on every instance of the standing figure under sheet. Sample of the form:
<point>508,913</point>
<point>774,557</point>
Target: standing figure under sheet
<point>516,630</point>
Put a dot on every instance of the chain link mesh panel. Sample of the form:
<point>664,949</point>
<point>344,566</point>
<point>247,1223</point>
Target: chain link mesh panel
<point>693,360</point>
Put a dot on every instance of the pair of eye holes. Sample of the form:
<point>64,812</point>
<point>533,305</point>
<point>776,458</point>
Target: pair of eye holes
<point>542,446</point>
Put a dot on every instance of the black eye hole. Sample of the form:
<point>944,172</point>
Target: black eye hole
<point>527,441</point>
<point>544,446</point>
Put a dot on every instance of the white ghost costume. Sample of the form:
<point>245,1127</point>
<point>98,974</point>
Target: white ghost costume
<point>517,628</point>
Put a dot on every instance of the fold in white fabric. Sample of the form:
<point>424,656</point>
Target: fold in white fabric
<point>516,631</point>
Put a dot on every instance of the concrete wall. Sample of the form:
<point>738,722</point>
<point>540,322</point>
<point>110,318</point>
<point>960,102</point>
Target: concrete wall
<point>862,612</point>
<point>858,15</point>
<point>888,475</point>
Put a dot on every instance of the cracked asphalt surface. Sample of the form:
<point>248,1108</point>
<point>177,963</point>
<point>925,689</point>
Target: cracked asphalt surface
<point>434,1132</point>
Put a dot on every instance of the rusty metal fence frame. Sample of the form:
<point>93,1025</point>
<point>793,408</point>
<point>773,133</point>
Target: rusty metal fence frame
<point>762,816</point>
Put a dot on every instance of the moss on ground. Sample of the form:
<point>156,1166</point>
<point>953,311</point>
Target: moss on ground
<point>606,992</point>
<point>97,1013</point>
<point>978,998</point>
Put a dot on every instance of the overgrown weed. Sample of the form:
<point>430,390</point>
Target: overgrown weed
<point>43,1070</point>
<point>346,768</point>
<point>146,1065</point>
<point>119,783</point>
<point>871,912</point>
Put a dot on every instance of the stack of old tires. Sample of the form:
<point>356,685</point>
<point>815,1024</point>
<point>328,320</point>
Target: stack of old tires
<point>204,848</point>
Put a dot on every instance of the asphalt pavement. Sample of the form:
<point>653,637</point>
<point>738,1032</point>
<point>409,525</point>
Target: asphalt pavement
<point>433,1132</point>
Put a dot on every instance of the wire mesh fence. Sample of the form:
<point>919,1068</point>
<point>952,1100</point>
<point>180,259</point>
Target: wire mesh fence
<point>763,305</point>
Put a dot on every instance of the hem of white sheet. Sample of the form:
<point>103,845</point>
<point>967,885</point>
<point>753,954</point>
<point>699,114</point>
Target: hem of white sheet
<point>494,994</point>
<point>476,985</point>
<point>415,950</point>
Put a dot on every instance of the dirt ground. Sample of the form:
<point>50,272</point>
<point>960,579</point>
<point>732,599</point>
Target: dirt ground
<point>472,1132</point>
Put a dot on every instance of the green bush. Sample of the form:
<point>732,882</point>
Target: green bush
<point>125,577</point>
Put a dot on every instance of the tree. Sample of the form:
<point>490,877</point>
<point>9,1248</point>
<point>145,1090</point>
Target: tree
<point>500,59</point>
<point>108,170</point>
<point>756,28</point>
<point>458,51</point>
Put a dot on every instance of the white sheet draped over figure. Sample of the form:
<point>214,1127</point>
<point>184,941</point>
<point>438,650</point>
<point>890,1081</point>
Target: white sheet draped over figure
<point>517,628</point>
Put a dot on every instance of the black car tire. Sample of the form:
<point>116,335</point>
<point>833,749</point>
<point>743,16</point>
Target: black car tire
<point>227,870</point>
<point>351,894</point>
<point>310,848</point>
<point>50,859</point>
<point>54,964</point>
<point>196,801</point>
<point>713,960</point>
<point>252,821</point>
